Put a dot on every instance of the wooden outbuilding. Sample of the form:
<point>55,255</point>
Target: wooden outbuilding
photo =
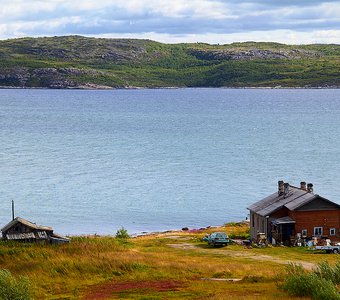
<point>20,229</point>
<point>294,213</point>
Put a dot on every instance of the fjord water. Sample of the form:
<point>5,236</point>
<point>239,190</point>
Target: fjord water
<point>94,161</point>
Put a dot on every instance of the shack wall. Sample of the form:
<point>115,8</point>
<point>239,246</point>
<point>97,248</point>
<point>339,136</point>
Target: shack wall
<point>257,224</point>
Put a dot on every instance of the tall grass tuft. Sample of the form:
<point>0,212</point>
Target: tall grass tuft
<point>13,289</point>
<point>326,271</point>
<point>319,285</point>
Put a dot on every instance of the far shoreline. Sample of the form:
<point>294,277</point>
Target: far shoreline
<point>107,88</point>
<point>137,234</point>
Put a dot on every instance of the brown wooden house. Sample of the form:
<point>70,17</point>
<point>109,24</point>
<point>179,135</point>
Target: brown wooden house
<point>294,212</point>
<point>20,229</point>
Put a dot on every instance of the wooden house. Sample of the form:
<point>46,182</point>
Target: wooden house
<point>295,212</point>
<point>20,229</point>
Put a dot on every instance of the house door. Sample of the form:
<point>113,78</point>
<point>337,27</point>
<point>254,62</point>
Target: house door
<point>287,230</point>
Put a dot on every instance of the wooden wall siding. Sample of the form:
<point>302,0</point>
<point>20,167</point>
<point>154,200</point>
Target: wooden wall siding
<point>310,219</point>
<point>282,212</point>
<point>19,228</point>
<point>20,232</point>
<point>318,204</point>
<point>259,224</point>
<point>260,221</point>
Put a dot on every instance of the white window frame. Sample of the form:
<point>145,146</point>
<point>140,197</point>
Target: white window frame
<point>304,232</point>
<point>332,231</point>
<point>318,231</point>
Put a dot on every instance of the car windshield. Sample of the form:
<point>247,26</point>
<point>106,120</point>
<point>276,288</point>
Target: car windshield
<point>221,235</point>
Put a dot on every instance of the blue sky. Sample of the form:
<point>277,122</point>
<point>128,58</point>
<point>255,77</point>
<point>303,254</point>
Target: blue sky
<point>173,21</point>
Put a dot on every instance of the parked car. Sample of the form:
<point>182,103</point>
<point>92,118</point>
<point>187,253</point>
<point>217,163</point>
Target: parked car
<point>217,239</point>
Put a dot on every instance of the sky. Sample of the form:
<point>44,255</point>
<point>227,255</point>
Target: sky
<point>175,21</point>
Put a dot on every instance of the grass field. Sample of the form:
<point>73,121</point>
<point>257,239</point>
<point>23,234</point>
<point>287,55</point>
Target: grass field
<point>172,265</point>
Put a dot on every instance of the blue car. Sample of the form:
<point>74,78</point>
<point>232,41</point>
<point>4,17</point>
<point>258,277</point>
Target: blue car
<point>217,239</point>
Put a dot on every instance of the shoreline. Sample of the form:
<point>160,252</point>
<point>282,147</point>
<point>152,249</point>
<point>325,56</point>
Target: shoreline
<point>165,232</point>
<point>104,88</point>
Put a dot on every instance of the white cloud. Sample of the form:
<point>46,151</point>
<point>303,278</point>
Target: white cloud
<point>175,20</point>
<point>279,36</point>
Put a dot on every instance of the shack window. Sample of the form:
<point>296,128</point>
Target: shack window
<point>318,231</point>
<point>304,232</point>
<point>332,231</point>
<point>252,220</point>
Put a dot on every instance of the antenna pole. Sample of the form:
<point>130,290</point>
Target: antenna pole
<point>12,209</point>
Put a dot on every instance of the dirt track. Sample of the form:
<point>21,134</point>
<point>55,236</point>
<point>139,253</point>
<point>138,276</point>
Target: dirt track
<point>232,253</point>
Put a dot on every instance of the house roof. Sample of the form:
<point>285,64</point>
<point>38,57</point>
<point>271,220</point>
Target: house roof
<point>294,199</point>
<point>26,223</point>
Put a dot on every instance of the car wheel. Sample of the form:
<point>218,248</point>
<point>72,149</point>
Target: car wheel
<point>336,251</point>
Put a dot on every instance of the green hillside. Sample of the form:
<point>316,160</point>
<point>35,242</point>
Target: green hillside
<point>80,62</point>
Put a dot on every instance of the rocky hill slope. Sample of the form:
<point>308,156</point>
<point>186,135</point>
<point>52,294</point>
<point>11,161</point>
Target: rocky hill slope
<point>80,62</point>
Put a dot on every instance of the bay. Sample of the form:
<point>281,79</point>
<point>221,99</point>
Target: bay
<point>90,162</point>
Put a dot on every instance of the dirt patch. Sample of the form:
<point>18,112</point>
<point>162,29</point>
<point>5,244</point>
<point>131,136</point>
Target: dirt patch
<point>261,257</point>
<point>184,246</point>
<point>107,290</point>
<point>222,279</point>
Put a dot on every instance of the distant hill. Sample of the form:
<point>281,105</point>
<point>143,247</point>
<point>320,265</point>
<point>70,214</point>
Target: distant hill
<point>81,62</point>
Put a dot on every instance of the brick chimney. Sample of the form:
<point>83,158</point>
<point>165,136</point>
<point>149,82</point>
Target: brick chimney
<point>303,185</point>
<point>310,187</point>
<point>286,189</point>
<point>280,187</point>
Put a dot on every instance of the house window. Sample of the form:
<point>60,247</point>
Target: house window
<point>332,231</point>
<point>317,231</point>
<point>304,232</point>
<point>253,220</point>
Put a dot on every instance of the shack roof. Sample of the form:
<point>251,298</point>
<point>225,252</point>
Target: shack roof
<point>295,198</point>
<point>26,223</point>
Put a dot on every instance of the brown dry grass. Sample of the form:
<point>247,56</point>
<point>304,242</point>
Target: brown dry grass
<point>159,266</point>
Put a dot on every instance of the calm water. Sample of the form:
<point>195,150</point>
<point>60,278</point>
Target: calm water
<point>93,161</point>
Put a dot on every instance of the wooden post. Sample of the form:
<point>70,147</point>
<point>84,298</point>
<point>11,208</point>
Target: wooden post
<point>12,209</point>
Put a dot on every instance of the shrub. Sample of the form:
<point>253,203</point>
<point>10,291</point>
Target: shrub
<point>325,290</point>
<point>317,288</point>
<point>318,285</point>
<point>12,289</point>
<point>122,234</point>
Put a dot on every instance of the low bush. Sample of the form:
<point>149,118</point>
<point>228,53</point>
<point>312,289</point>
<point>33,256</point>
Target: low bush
<point>122,233</point>
<point>242,236</point>
<point>318,285</point>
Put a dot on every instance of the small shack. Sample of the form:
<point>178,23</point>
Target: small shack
<point>22,230</point>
